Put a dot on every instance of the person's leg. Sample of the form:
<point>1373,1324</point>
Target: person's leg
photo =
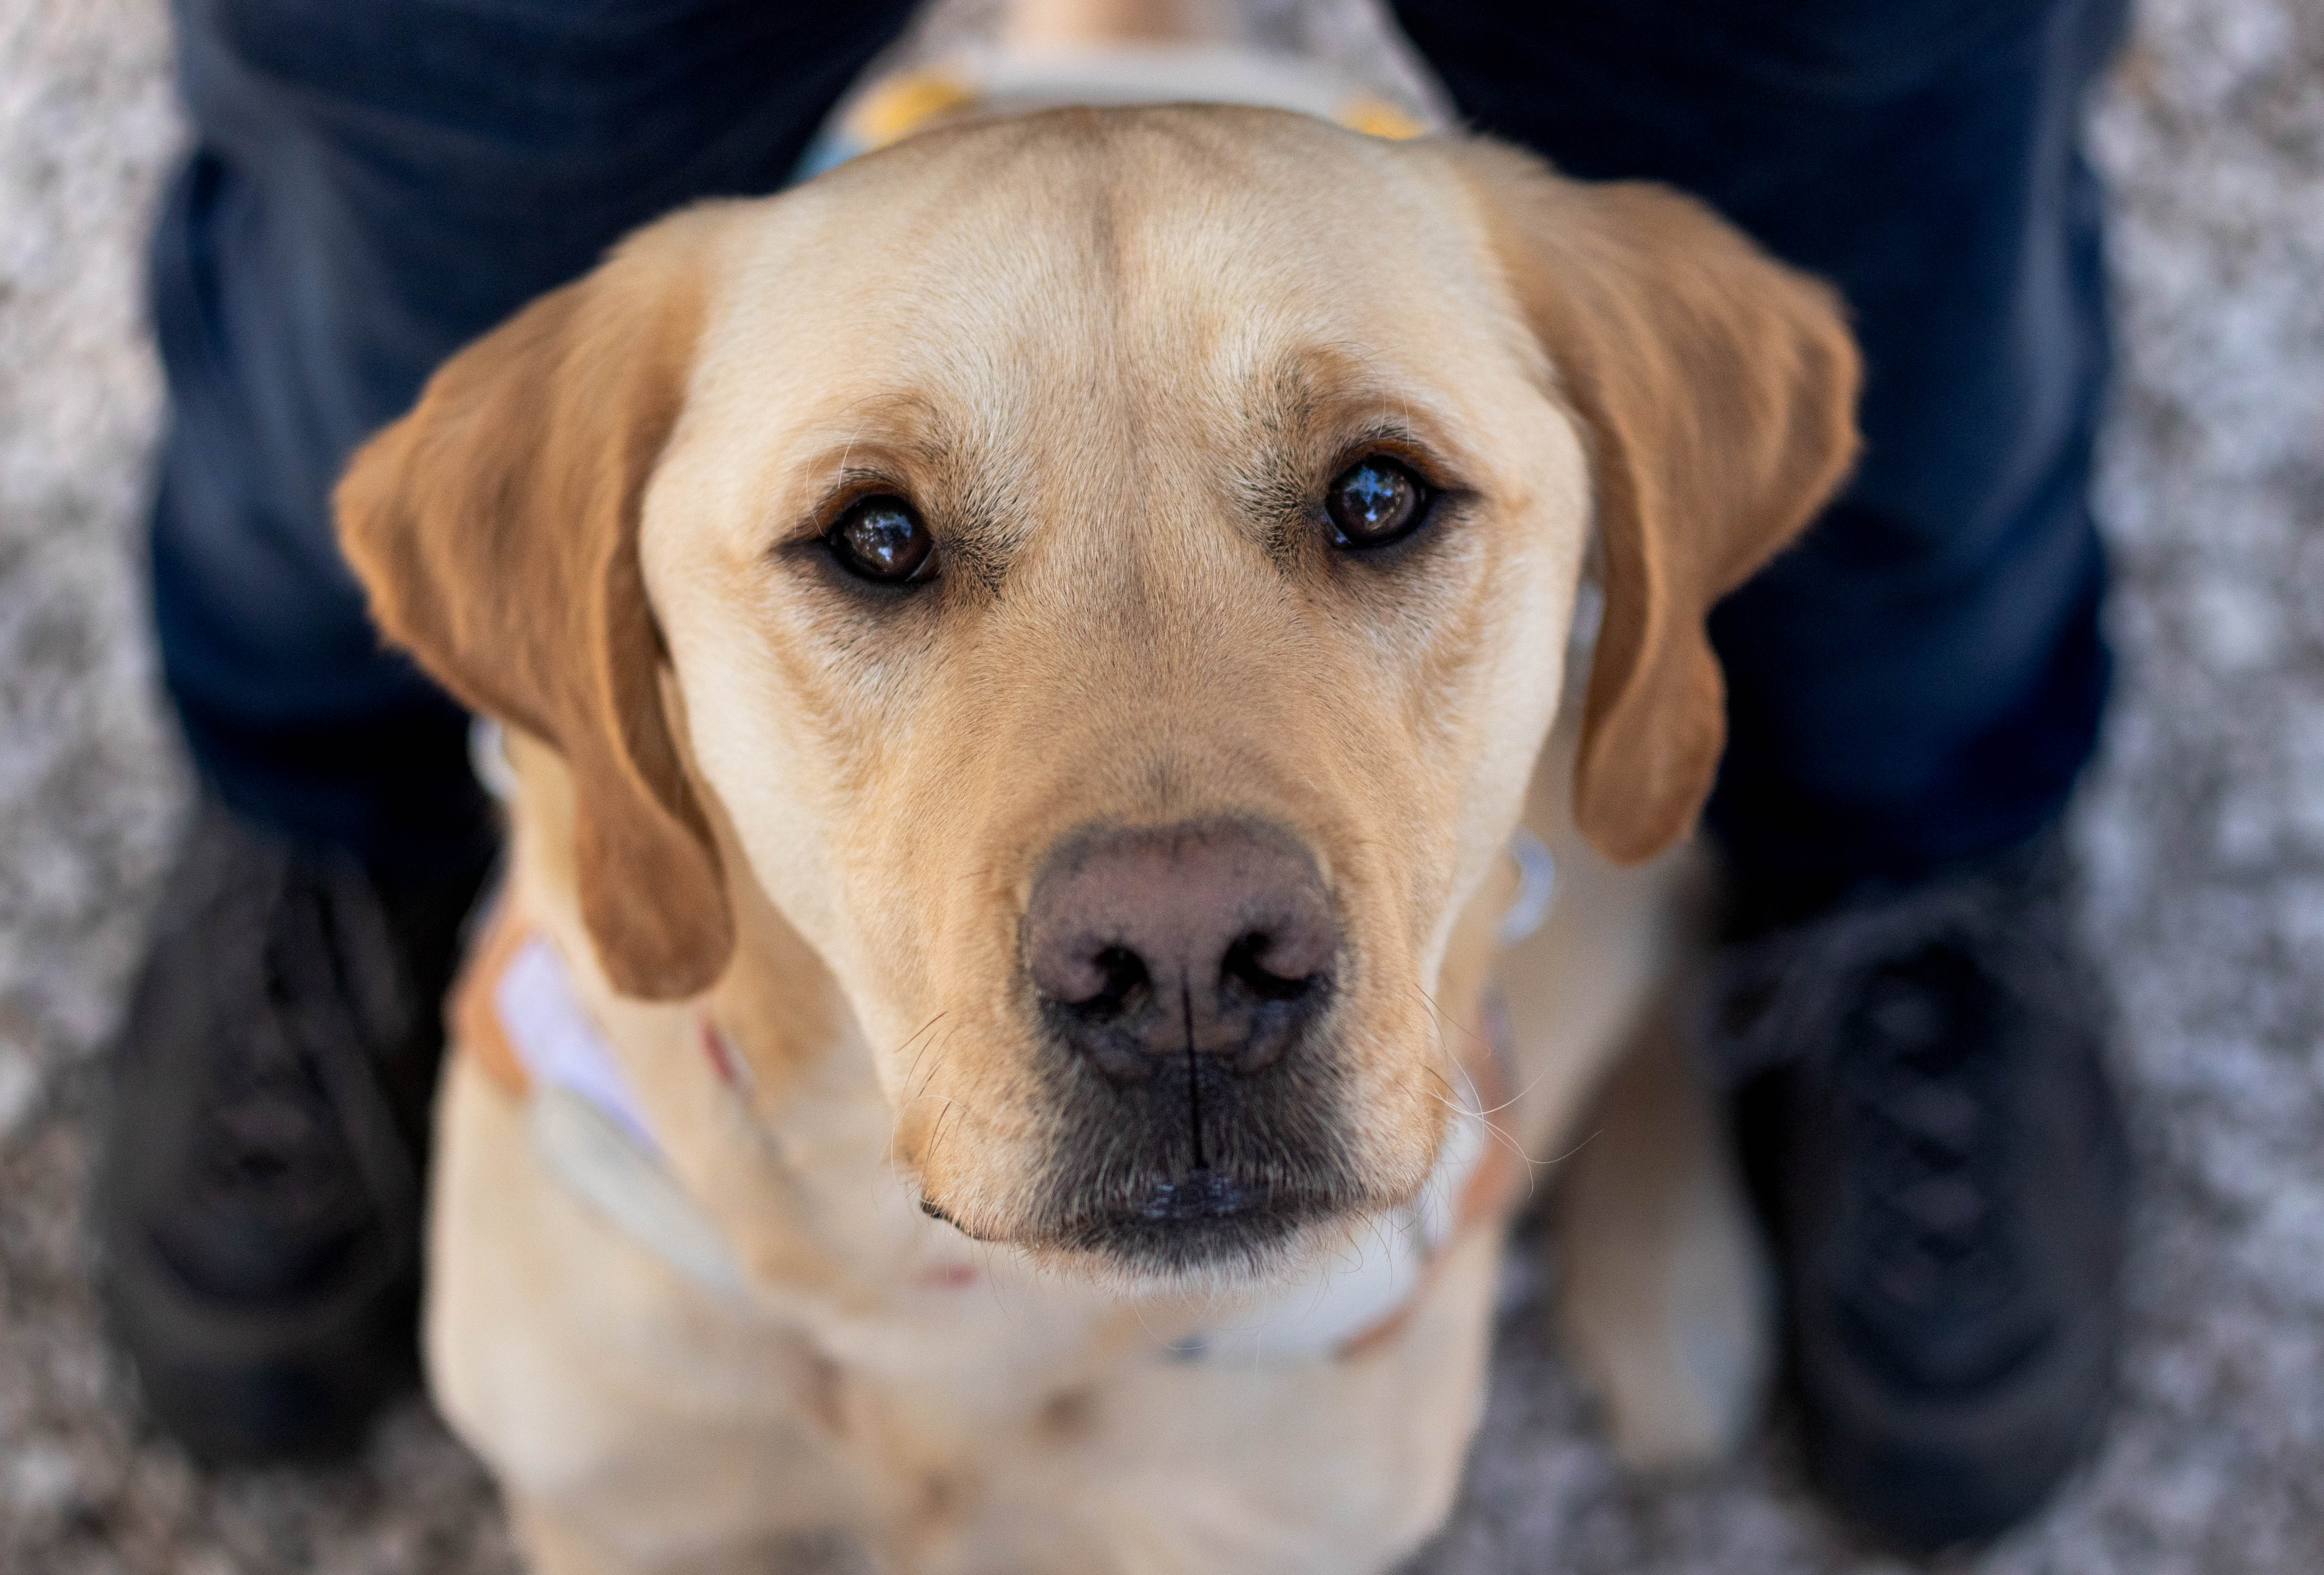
<point>371,185</point>
<point>1912,692</point>
<point>1920,678</point>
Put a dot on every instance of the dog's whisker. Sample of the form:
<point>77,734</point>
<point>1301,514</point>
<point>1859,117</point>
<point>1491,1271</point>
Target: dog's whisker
<point>1438,1015</point>
<point>1474,1092</point>
<point>1584,1141</point>
<point>917,1035</point>
<point>935,1138</point>
<point>1495,1129</point>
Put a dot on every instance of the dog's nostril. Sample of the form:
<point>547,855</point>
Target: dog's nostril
<point>1125,983</point>
<point>1246,963</point>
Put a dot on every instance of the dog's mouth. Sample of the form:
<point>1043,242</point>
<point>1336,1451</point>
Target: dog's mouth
<point>1201,1194</point>
<point>1202,1222</point>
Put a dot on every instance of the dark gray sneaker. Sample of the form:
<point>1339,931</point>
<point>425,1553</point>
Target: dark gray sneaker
<point>259,1190</point>
<point>1925,1116</point>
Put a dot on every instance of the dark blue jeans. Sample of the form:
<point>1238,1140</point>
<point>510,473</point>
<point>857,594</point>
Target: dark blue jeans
<point>376,181</point>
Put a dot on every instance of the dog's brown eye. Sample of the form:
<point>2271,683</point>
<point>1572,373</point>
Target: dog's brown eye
<point>880,538</point>
<point>1374,501</point>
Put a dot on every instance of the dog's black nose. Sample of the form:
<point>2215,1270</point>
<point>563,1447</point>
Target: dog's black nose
<point>1149,946</point>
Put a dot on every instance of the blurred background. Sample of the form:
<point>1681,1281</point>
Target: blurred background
<point>2203,832</point>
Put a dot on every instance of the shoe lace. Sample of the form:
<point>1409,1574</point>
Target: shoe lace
<point>1890,1004</point>
<point>1930,1133</point>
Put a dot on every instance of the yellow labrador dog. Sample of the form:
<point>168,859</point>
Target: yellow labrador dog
<point>1023,660</point>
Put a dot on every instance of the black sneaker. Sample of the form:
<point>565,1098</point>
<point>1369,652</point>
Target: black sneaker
<point>1929,1130</point>
<point>259,1190</point>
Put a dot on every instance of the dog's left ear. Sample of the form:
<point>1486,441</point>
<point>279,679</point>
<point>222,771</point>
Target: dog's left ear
<point>496,529</point>
<point>1716,389</point>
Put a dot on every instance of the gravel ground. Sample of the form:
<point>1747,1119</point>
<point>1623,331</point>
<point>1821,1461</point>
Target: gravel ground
<point>2203,828</point>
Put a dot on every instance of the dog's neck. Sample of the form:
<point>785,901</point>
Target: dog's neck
<point>787,1151</point>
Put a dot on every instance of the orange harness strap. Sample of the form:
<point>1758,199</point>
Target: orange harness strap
<point>472,1015</point>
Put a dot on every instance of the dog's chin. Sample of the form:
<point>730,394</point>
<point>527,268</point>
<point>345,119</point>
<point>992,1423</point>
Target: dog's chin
<point>1203,1228</point>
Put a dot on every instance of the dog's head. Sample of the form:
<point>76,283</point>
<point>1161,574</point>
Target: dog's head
<point>1105,577</point>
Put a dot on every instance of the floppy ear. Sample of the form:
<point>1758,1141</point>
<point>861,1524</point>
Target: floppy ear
<point>496,529</point>
<point>1716,389</point>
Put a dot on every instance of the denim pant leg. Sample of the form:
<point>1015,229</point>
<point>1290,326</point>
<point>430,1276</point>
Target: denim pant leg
<point>1920,678</point>
<point>373,184</point>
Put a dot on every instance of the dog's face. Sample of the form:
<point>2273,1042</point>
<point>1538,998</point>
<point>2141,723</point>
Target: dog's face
<point>1108,575</point>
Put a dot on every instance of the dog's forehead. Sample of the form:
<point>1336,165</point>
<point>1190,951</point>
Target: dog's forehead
<point>1050,253</point>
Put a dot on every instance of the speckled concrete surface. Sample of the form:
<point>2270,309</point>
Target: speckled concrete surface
<point>2204,831</point>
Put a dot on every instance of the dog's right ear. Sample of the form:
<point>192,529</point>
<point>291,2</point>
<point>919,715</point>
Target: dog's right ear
<point>495,527</point>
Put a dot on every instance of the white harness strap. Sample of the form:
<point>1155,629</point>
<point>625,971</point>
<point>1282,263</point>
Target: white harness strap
<point>587,1126</point>
<point>558,1044</point>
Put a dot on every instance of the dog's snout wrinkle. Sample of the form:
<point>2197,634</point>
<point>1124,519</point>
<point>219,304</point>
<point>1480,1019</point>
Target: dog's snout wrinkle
<point>1212,941</point>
